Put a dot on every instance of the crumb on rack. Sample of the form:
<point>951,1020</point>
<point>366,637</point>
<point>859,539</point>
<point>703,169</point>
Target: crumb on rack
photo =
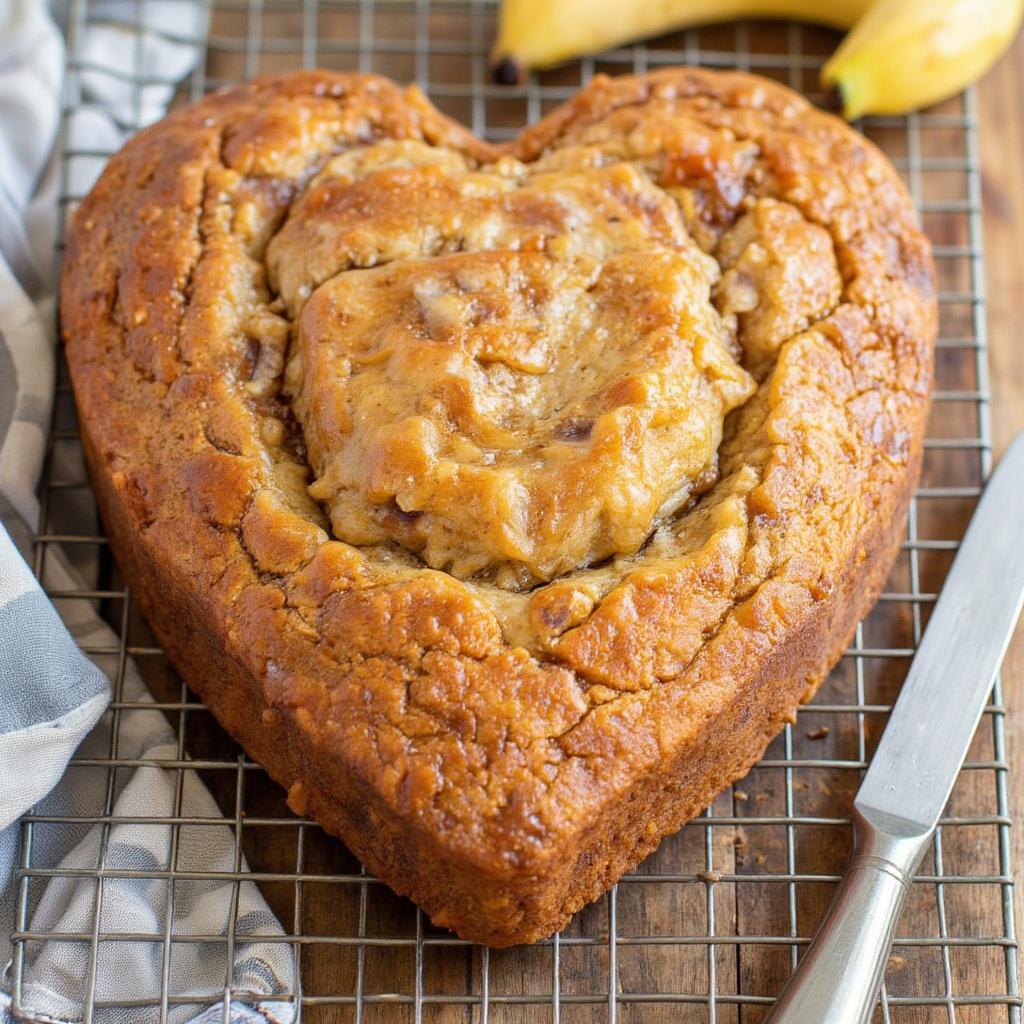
<point>739,842</point>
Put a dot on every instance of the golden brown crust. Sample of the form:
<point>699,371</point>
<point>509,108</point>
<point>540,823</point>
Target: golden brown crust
<point>531,376</point>
<point>502,757</point>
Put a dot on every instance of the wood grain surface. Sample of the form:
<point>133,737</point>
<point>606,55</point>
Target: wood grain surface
<point>1001,111</point>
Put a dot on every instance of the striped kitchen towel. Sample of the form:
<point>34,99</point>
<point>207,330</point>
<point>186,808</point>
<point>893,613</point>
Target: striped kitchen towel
<point>54,699</point>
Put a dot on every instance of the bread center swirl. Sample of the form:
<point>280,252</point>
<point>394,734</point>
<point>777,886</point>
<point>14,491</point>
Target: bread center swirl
<point>510,370</point>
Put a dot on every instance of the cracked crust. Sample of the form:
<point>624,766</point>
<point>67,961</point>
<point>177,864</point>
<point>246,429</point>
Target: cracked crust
<point>501,756</point>
<point>512,371</point>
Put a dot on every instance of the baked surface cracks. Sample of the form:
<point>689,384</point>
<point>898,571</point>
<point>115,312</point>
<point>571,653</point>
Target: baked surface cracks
<point>504,501</point>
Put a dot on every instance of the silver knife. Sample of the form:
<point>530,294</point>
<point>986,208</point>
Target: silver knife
<point>917,761</point>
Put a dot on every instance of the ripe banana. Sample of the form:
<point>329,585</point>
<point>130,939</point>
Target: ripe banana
<point>900,54</point>
<point>539,33</point>
<point>904,55</point>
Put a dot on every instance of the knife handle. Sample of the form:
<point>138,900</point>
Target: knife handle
<point>837,979</point>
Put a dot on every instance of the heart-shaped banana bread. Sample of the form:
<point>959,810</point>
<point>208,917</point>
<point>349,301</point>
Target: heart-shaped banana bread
<point>503,501</point>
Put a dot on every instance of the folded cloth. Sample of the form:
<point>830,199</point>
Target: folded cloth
<point>36,740</point>
<point>31,57</point>
<point>52,697</point>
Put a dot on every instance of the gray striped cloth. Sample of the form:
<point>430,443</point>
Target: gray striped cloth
<point>53,699</point>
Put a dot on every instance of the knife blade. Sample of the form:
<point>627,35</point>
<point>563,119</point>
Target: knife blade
<point>942,699</point>
<point>915,766</point>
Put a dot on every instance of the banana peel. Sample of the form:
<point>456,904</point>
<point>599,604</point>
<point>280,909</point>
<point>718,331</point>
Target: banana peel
<point>535,34</point>
<point>901,56</point>
<point>898,56</point>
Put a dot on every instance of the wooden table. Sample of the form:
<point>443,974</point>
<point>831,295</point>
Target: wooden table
<point>1001,110</point>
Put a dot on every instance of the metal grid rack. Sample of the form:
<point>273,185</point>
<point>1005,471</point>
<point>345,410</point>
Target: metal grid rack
<point>707,928</point>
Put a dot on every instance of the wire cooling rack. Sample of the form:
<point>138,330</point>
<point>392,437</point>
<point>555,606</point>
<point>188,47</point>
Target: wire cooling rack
<point>709,927</point>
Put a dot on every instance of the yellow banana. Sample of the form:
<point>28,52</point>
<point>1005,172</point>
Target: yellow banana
<point>905,54</point>
<point>539,33</point>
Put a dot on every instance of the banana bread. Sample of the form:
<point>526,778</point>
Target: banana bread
<point>502,501</point>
